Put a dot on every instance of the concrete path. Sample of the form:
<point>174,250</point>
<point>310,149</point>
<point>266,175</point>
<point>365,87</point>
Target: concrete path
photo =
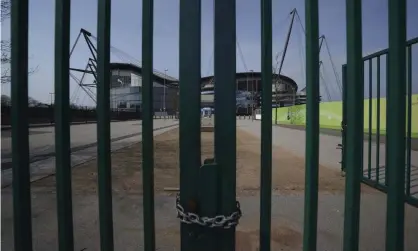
<point>83,145</point>
<point>287,214</point>
<point>294,140</point>
<point>289,209</point>
<point>287,222</point>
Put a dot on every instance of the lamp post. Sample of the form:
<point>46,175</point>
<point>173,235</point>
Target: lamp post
<point>165,76</point>
<point>246,97</point>
<point>51,97</point>
<point>294,96</point>
<point>53,109</point>
<point>252,95</point>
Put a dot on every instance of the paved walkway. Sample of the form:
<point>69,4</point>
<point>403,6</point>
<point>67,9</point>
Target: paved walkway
<point>83,145</point>
<point>294,140</point>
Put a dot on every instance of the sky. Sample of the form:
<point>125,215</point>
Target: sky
<point>126,36</point>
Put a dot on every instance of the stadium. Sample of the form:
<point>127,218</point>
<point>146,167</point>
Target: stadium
<point>126,86</point>
<point>248,92</point>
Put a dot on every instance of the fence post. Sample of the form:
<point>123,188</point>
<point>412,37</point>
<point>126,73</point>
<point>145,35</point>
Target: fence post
<point>189,77</point>
<point>344,120</point>
<point>312,126</point>
<point>147,125</point>
<point>266,125</point>
<point>355,118</point>
<point>62,125</point>
<point>378,120</point>
<point>409,125</point>
<point>225,106</point>
<point>369,149</point>
<point>396,126</point>
<point>103,126</point>
<point>22,217</point>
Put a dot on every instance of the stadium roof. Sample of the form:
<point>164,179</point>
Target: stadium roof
<point>159,76</point>
<point>257,75</point>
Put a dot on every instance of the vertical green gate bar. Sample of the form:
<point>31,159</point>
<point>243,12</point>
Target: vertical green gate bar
<point>344,122</point>
<point>387,109</point>
<point>22,217</point>
<point>189,75</point>
<point>378,120</point>
<point>225,110</point>
<point>312,126</point>
<point>409,125</point>
<point>266,124</point>
<point>147,124</point>
<point>355,113</point>
<point>396,105</point>
<point>369,150</point>
<point>103,126</point>
<point>409,120</point>
<point>62,125</point>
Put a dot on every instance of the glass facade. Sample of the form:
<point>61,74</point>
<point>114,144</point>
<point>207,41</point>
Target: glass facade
<point>244,99</point>
<point>125,97</point>
<point>131,98</point>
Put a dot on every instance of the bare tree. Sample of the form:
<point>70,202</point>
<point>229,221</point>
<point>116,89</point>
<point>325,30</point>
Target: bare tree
<point>5,9</point>
<point>6,46</point>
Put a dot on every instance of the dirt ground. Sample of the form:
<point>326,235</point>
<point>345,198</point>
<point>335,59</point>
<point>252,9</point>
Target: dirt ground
<point>288,170</point>
<point>288,178</point>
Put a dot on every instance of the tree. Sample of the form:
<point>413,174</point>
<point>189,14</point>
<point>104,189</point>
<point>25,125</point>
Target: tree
<point>6,46</point>
<point>5,9</point>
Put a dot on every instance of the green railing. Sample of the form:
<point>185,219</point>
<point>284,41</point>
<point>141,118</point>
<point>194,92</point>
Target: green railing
<point>374,174</point>
<point>210,188</point>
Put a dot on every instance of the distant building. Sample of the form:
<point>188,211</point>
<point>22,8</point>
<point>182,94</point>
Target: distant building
<point>126,89</point>
<point>248,91</point>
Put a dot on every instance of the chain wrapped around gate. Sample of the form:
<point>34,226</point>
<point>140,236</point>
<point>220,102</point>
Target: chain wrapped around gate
<point>219,221</point>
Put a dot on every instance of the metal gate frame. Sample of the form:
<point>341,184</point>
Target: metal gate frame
<point>373,176</point>
<point>219,198</point>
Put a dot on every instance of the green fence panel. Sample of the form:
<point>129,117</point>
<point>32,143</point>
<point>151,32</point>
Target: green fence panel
<point>208,190</point>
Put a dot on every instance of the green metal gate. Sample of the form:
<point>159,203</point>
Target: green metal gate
<point>375,174</point>
<point>208,193</point>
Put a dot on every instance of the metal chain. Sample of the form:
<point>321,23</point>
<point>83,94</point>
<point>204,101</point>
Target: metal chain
<point>220,221</point>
